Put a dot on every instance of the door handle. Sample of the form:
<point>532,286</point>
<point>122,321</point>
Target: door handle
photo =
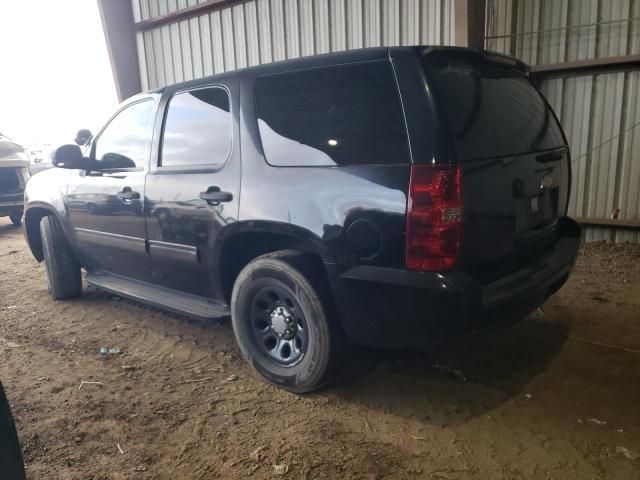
<point>128,194</point>
<point>214,196</point>
<point>552,156</point>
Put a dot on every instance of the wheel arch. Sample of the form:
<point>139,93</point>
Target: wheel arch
<point>244,241</point>
<point>32,217</point>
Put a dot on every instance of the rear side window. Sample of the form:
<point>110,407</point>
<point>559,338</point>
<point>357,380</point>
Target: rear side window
<point>197,128</point>
<point>492,109</point>
<point>342,115</point>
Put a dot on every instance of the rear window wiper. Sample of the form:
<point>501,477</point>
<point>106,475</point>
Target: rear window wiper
<point>551,156</point>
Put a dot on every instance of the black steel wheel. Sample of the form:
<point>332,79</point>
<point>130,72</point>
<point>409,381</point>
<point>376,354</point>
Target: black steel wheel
<point>283,320</point>
<point>279,324</point>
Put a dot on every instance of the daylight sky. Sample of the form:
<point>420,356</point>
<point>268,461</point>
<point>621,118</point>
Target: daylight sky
<point>55,75</point>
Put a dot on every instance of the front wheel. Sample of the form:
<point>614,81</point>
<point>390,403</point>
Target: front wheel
<point>16,217</point>
<point>281,318</point>
<point>63,272</point>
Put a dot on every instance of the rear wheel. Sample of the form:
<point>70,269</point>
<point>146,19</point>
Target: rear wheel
<point>282,319</point>
<point>63,272</point>
<point>16,217</point>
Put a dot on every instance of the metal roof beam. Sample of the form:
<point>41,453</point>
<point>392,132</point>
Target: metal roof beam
<point>117,23</point>
<point>470,23</point>
<point>587,67</point>
<point>184,14</point>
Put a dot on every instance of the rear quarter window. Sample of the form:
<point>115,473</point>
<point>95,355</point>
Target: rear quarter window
<point>342,115</point>
<point>492,109</point>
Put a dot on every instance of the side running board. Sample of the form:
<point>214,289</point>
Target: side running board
<point>161,297</point>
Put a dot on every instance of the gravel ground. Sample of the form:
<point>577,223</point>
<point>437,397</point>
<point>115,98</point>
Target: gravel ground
<point>554,397</point>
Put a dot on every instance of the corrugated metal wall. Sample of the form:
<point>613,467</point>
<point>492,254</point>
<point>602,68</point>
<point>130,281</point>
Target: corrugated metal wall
<point>600,113</point>
<point>262,31</point>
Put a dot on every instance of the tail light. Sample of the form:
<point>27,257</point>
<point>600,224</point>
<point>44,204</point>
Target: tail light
<point>434,218</point>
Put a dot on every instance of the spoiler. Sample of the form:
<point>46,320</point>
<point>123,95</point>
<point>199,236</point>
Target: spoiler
<point>487,55</point>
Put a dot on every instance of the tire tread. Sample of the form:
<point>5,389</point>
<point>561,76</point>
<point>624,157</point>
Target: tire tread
<point>63,271</point>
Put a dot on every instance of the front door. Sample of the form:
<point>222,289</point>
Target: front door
<point>105,206</point>
<point>193,186</point>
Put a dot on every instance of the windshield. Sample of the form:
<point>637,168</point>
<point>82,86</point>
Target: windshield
<point>492,109</point>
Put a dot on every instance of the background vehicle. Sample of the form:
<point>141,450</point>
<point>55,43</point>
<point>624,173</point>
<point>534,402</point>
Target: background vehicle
<point>39,158</point>
<point>14,173</point>
<point>384,197</point>
<point>11,463</point>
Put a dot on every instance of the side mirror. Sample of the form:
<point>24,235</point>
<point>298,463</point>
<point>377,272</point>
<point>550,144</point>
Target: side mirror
<point>69,156</point>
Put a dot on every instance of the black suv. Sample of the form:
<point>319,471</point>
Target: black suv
<point>386,197</point>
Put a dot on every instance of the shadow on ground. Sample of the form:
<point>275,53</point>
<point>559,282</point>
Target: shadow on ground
<point>440,388</point>
<point>451,386</point>
<point>7,228</point>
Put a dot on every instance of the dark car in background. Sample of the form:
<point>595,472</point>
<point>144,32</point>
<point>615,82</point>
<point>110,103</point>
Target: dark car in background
<point>11,463</point>
<point>387,197</point>
<point>14,173</point>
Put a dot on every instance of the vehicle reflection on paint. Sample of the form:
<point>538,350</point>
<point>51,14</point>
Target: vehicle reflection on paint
<point>184,221</point>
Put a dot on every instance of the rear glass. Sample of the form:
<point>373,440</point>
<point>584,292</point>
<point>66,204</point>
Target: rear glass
<point>492,109</point>
<point>341,115</point>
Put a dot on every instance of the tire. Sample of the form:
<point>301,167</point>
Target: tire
<point>281,291</point>
<point>63,272</point>
<point>16,217</point>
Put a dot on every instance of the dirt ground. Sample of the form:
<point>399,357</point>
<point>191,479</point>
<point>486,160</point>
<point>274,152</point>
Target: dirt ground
<point>556,396</point>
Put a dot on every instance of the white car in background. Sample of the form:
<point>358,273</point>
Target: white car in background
<point>39,158</point>
<point>14,173</point>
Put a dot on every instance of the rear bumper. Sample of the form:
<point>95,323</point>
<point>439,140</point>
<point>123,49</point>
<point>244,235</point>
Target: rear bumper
<point>395,308</point>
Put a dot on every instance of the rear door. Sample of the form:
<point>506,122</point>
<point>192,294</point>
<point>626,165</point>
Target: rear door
<point>193,187</point>
<point>513,157</point>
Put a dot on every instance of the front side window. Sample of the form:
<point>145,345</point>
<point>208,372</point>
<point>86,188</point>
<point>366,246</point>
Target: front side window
<point>126,140</point>
<point>197,129</point>
<point>343,115</point>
